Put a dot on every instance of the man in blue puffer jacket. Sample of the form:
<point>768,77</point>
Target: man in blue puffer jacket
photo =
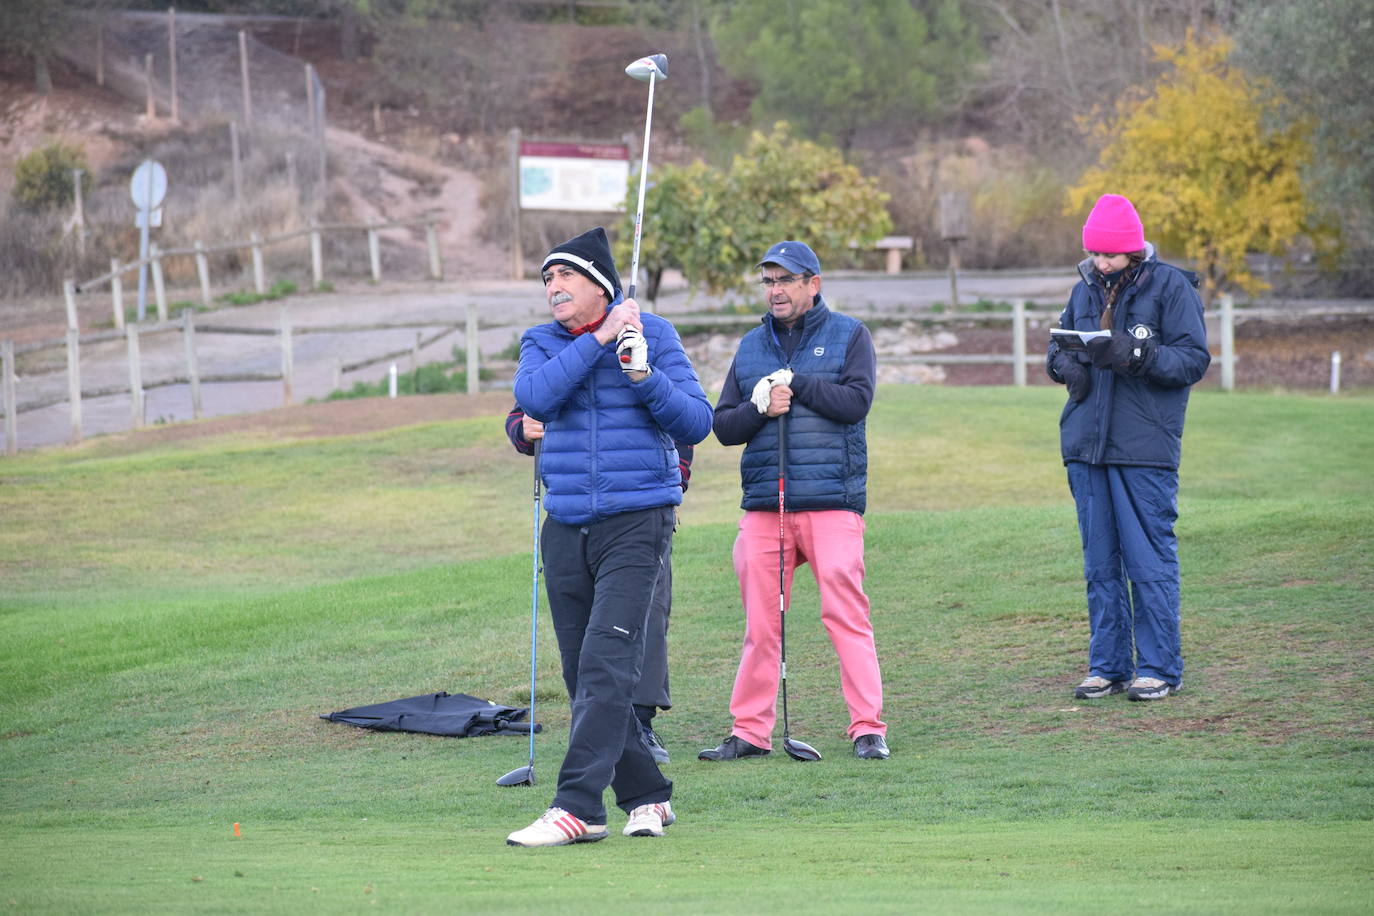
<point>614,390</point>
<point>1121,434</point>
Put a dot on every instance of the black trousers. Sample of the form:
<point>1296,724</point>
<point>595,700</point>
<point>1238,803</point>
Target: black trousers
<point>652,691</point>
<point>601,580</point>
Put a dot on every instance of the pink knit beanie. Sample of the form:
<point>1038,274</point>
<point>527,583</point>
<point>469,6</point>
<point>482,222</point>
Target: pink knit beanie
<point>1113,227</point>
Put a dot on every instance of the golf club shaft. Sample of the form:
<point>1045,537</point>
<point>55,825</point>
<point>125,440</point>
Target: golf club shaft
<point>782,564</point>
<point>643,181</point>
<point>534,597</point>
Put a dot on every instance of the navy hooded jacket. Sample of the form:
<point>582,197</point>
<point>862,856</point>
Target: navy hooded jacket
<point>608,442</point>
<point>1127,419</point>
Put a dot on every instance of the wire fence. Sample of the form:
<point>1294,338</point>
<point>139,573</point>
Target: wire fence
<point>197,67</point>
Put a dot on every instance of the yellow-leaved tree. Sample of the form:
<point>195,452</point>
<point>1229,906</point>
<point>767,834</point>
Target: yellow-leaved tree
<point>1198,155</point>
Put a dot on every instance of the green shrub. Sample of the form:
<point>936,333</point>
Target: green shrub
<point>431,378</point>
<point>43,179</point>
<point>278,290</point>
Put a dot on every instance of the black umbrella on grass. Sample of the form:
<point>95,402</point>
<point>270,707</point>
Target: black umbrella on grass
<point>451,715</point>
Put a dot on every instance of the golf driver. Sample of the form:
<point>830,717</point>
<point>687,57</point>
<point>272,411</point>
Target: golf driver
<point>650,70</point>
<point>524,776</point>
<point>797,750</point>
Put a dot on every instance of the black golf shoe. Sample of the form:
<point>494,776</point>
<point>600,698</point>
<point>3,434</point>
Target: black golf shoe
<point>871,747</point>
<point>655,746</point>
<point>733,748</point>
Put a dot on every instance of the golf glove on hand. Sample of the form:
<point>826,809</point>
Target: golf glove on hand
<point>1076,376</point>
<point>633,350</point>
<point>1122,352</point>
<point>765,385</point>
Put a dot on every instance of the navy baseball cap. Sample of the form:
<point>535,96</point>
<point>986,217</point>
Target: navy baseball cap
<point>795,256</point>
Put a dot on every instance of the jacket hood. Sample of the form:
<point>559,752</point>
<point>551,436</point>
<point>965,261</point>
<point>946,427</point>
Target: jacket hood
<point>1089,273</point>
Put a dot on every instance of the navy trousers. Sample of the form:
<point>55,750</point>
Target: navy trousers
<point>1126,518</point>
<point>601,580</point>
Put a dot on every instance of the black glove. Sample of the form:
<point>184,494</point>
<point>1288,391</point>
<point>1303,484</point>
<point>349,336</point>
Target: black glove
<point>1122,352</point>
<point>1075,375</point>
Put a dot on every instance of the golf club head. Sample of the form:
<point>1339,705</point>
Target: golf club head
<point>520,776</point>
<point>800,750</point>
<point>653,67</point>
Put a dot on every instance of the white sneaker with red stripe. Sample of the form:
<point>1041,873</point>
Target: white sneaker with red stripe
<point>649,820</point>
<point>557,827</point>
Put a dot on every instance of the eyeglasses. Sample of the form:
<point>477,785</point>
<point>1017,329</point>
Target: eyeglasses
<point>784,280</point>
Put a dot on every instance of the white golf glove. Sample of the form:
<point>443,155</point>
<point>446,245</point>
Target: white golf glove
<point>765,385</point>
<point>632,350</point>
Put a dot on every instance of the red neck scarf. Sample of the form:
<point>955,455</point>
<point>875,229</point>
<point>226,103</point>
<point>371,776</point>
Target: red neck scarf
<point>588,328</point>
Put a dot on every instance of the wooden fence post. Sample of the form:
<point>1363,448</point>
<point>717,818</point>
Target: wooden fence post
<point>310,98</point>
<point>203,271</point>
<point>517,254</point>
<point>135,377</point>
<point>150,107</point>
<point>1228,343</point>
<point>172,58</point>
<point>316,254</point>
<point>374,254</point>
<point>259,277</point>
<point>11,402</point>
<point>159,288</point>
<point>1018,343</point>
<point>235,163</point>
<point>243,76</point>
<point>436,268</point>
<point>286,363</point>
<point>69,295</point>
<point>188,336</point>
<point>79,213</point>
<point>116,294</point>
<point>473,369</point>
<point>74,382</point>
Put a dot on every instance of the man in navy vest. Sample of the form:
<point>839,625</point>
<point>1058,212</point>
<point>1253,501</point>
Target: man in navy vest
<point>614,389</point>
<point>816,368</point>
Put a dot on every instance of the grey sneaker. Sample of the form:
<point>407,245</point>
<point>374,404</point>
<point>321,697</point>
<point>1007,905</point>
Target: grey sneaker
<point>1094,687</point>
<point>1149,688</point>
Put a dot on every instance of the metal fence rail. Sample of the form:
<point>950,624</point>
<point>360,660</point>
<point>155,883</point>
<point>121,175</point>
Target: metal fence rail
<point>1019,357</point>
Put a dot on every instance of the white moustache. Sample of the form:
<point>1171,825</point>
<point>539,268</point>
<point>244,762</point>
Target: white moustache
<point>560,298</point>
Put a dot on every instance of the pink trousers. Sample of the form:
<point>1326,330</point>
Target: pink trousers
<point>832,541</point>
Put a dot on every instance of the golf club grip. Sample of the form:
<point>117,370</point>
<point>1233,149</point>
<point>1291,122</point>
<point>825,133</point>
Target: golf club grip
<point>538,451</point>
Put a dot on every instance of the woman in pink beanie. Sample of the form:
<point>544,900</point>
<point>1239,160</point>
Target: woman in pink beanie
<point>1121,436</point>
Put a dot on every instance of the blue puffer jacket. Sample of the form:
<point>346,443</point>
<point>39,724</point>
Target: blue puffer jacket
<point>826,461</point>
<point>1125,419</point>
<point>608,443</point>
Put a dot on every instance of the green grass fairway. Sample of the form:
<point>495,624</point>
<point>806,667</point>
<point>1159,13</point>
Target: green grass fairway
<point>174,619</point>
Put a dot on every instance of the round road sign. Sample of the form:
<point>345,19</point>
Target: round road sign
<point>149,185</point>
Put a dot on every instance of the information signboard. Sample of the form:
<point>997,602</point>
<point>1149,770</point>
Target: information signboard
<point>591,177</point>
